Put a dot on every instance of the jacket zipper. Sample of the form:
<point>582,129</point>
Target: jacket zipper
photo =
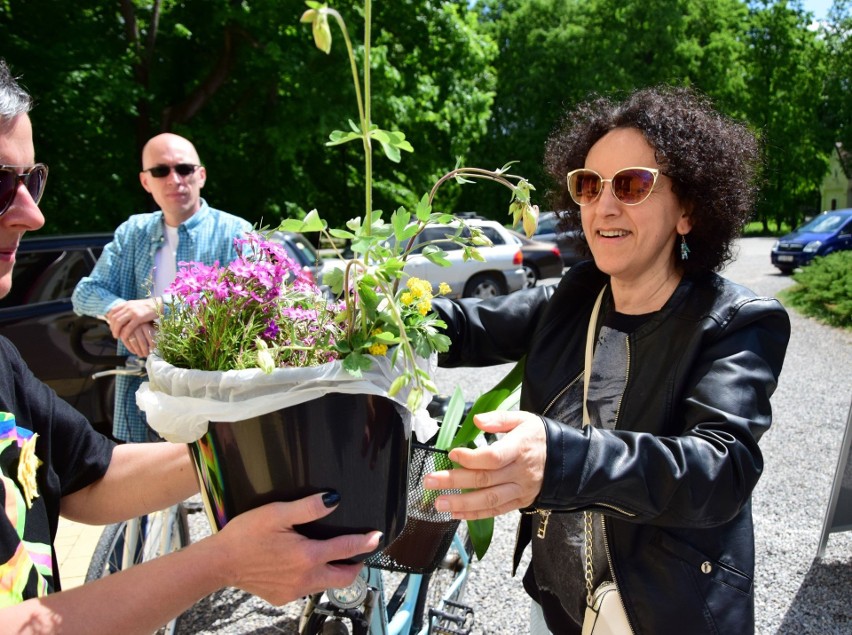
<point>611,571</point>
<point>544,514</point>
<point>603,518</point>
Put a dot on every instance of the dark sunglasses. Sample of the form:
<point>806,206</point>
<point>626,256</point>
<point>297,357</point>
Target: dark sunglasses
<point>34,178</point>
<point>182,169</point>
<point>631,186</point>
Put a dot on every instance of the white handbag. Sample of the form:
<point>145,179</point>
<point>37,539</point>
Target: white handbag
<point>604,610</point>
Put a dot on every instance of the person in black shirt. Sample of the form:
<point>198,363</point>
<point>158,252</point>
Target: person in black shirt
<point>52,462</point>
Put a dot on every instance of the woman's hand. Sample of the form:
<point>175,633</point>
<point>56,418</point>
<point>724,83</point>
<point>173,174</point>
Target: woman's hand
<point>505,475</point>
<point>270,559</point>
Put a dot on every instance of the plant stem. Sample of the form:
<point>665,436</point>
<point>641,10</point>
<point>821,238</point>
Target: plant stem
<point>363,105</point>
<point>365,126</point>
<point>474,173</point>
<point>356,80</point>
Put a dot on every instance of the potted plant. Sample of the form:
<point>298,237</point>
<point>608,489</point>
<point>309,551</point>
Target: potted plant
<point>282,392</point>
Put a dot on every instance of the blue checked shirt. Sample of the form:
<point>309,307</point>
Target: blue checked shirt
<point>125,272</point>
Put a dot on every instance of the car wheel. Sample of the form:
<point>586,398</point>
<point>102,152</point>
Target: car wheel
<point>484,286</point>
<point>531,275</point>
<point>786,270</point>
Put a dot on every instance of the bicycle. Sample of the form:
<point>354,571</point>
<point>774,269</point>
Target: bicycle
<point>414,589</point>
<point>127,543</point>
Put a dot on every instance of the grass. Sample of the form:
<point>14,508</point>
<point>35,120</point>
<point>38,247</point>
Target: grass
<point>755,229</point>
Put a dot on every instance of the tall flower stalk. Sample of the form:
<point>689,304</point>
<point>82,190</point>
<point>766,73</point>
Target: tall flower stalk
<point>371,281</point>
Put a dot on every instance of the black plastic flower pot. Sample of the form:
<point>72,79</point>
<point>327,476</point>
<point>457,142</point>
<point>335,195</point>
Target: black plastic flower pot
<point>352,443</point>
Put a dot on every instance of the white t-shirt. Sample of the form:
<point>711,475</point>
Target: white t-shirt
<point>165,262</point>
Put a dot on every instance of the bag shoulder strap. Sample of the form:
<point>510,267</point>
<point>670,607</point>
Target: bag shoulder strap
<point>587,516</point>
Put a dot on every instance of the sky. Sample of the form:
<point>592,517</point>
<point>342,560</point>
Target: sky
<point>818,7</point>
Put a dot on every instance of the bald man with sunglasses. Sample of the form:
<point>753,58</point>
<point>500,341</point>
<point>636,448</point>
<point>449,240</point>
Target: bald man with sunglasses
<point>128,284</point>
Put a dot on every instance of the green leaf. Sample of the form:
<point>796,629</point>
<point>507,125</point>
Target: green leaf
<point>423,209</point>
<point>385,337</point>
<point>341,233</point>
<point>333,277</point>
<point>489,401</point>
<point>356,363</point>
<point>480,531</point>
<point>338,136</point>
<point>451,420</point>
<point>391,152</point>
<point>310,223</point>
<point>368,298</point>
<point>399,220</point>
<point>435,254</point>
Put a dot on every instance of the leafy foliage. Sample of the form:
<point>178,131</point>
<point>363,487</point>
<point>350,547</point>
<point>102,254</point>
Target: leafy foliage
<point>478,80</point>
<point>824,289</point>
<point>233,78</point>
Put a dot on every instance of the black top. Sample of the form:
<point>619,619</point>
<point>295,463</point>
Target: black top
<point>69,455</point>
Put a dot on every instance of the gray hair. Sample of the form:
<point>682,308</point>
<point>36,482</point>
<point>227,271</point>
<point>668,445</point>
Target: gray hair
<point>14,100</point>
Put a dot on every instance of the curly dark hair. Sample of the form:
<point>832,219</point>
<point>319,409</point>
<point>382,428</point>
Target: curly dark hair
<point>713,161</point>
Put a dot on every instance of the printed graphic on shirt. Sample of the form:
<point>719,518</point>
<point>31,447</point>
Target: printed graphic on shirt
<point>26,556</point>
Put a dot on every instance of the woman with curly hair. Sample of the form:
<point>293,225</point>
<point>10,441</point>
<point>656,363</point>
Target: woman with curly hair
<point>647,378</point>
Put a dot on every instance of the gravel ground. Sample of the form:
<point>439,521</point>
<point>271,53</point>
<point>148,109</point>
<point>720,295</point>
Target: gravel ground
<point>796,593</point>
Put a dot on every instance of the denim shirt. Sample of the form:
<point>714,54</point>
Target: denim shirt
<point>124,272</point>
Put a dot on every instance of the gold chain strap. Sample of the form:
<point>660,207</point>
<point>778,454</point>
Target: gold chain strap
<point>587,516</point>
<point>590,569</point>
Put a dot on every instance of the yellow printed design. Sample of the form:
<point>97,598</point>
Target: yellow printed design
<point>28,463</point>
<point>26,556</point>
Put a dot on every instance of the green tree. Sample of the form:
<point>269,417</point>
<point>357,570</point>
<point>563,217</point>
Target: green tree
<point>554,53</point>
<point>787,103</point>
<point>243,81</point>
<point>839,84</point>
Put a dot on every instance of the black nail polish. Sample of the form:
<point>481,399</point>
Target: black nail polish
<point>330,498</point>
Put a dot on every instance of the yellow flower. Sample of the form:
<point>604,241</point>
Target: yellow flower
<point>378,348</point>
<point>444,288</point>
<point>420,289</point>
<point>424,306</point>
<point>406,298</point>
<point>28,463</point>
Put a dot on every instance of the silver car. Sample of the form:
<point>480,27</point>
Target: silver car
<point>501,273</point>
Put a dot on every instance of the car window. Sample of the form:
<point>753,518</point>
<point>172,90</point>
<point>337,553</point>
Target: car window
<point>547,226</point>
<point>435,234</point>
<point>46,276</point>
<point>309,255</point>
<point>493,235</point>
<point>823,224</point>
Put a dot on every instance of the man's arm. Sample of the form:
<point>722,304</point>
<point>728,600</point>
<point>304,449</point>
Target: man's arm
<point>104,293</point>
<point>98,292</point>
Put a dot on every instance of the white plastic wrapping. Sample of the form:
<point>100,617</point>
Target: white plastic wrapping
<point>179,402</point>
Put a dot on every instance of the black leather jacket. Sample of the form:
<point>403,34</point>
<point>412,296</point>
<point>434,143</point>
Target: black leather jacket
<point>674,479</point>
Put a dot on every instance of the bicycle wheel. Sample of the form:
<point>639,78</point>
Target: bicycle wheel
<point>447,582</point>
<point>154,535</point>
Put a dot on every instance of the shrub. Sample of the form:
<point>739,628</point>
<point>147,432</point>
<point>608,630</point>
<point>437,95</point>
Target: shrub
<point>824,289</point>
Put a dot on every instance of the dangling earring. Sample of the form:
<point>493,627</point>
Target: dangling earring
<point>684,248</point>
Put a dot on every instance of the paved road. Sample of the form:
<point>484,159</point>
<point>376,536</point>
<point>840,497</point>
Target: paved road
<point>795,593</point>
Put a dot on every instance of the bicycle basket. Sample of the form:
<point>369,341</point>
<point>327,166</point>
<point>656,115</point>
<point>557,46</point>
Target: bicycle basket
<point>428,533</point>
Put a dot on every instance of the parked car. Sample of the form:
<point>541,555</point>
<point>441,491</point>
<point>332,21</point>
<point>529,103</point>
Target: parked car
<point>38,318</point>
<point>571,244</point>
<point>63,349</point>
<point>301,251</point>
<point>501,272</point>
<point>824,234</point>
<point>541,260</point>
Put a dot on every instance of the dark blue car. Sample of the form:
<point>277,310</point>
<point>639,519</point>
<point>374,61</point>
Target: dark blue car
<point>827,233</point>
